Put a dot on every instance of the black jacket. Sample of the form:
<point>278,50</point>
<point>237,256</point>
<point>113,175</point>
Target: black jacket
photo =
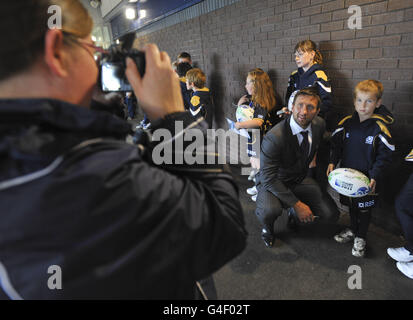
<point>282,165</point>
<point>365,146</point>
<point>313,77</point>
<point>202,105</point>
<point>73,194</point>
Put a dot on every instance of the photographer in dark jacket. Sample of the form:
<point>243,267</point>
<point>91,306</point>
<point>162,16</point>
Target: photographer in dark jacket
<point>75,197</point>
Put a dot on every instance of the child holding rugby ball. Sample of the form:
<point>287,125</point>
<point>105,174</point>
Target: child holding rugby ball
<point>362,142</point>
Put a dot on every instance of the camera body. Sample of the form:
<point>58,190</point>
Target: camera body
<point>113,65</point>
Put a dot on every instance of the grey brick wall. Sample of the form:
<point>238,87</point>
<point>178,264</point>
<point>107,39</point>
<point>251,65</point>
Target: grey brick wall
<point>226,43</point>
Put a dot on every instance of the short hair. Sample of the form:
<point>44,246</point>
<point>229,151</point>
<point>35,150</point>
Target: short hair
<point>196,76</point>
<point>371,86</point>
<point>310,91</point>
<point>184,55</point>
<point>23,26</point>
<point>182,68</point>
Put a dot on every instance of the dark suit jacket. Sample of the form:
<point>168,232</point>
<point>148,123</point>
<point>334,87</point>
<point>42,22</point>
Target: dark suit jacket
<point>282,165</point>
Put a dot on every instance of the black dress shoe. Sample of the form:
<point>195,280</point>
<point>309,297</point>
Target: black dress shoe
<point>267,236</point>
<point>293,221</point>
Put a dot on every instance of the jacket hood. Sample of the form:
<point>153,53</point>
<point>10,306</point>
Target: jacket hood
<point>383,114</point>
<point>313,68</point>
<point>33,132</point>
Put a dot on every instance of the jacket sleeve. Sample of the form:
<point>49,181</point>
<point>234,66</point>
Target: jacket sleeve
<point>337,138</point>
<point>384,147</point>
<point>185,215</point>
<point>195,104</point>
<point>324,89</point>
<point>270,163</point>
<point>290,88</point>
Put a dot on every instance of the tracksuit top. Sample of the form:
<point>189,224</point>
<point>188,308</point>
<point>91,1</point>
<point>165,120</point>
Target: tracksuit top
<point>313,77</point>
<point>201,105</point>
<point>365,146</point>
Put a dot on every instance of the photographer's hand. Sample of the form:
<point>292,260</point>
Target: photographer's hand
<point>158,91</point>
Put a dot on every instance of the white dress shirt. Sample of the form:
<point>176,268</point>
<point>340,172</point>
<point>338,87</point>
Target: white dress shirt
<point>296,129</point>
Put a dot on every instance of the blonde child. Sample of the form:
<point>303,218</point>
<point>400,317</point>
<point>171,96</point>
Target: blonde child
<point>363,142</point>
<point>201,102</point>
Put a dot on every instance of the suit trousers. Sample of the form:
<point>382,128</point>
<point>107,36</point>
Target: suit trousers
<point>269,207</point>
<point>404,211</point>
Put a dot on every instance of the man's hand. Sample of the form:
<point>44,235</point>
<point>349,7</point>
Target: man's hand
<point>303,212</point>
<point>330,168</point>
<point>313,163</point>
<point>286,112</point>
<point>158,92</point>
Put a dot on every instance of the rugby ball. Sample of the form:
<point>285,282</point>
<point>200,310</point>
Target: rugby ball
<point>244,113</point>
<point>349,182</point>
<point>291,100</point>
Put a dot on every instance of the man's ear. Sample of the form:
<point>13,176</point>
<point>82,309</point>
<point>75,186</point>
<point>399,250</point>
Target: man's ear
<point>54,53</point>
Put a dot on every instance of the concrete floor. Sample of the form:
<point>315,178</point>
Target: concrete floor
<point>309,264</point>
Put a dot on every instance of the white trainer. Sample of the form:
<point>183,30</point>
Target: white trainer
<point>344,236</point>
<point>400,254</point>
<point>359,247</point>
<point>252,191</point>
<point>252,175</point>
<point>254,198</point>
<point>406,268</point>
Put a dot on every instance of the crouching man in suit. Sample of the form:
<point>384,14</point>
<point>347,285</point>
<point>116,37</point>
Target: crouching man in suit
<point>286,152</point>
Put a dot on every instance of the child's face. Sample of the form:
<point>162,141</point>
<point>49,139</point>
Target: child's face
<point>249,85</point>
<point>365,104</point>
<point>304,59</point>
<point>188,85</point>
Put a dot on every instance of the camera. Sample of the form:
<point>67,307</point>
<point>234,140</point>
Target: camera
<point>113,65</point>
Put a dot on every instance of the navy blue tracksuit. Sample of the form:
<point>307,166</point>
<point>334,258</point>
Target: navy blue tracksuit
<point>201,105</point>
<point>367,147</point>
<point>313,77</point>
<point>404,209</point>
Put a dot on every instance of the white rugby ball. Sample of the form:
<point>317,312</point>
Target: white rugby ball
<point>244,113</point>
<point>349,182</point>
<point>291,100</point>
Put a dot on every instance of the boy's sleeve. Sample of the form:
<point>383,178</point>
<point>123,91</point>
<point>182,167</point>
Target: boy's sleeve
<point>186,95</point>
<point>384,148</point>
<point>195,106</point>
<point>324,89</point>
<point>337,142</point>
<point>259,112</point>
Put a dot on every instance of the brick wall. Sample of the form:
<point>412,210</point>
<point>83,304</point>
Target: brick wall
<point>228,42</point>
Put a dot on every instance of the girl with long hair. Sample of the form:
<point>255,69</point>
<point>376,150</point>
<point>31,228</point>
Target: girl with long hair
<point>261,98</point>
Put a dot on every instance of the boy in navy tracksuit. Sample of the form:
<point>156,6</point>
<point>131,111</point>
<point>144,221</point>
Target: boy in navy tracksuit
<point>201,100</point>
<point>404,211</point>
<point>363,142</point>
